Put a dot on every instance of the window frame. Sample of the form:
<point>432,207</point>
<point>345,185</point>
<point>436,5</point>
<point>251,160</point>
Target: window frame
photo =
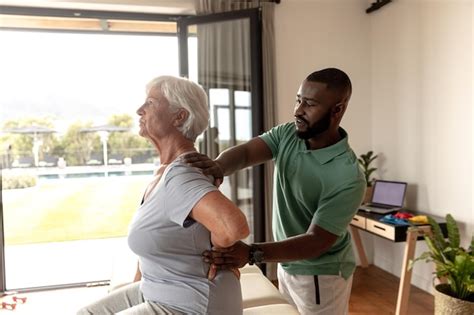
<point>254,16</point>
<point>80,14</point>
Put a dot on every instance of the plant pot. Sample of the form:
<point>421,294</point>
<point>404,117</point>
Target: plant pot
<point>446,304</point>
<point>368,194</point>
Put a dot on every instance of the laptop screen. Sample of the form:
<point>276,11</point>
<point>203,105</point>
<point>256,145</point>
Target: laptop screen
<point>389,193</point>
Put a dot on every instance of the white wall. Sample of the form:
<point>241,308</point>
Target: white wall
<point>315,34</point>
<point>411,66</point>
<point>422,112</point>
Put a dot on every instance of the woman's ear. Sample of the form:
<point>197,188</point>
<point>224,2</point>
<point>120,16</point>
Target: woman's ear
<point>180,117</point>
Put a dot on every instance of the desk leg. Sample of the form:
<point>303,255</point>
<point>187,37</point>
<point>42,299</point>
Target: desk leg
<point>405,277</point>
<point>359,247</point>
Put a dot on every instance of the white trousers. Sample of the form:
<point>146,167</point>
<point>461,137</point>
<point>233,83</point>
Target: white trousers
<point>127,300</point>
<point>322,295</point>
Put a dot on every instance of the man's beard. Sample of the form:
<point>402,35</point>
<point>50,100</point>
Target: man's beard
<point>317,128</point>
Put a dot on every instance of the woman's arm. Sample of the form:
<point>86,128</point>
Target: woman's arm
<point>222,218</point>
<point>138,274</point>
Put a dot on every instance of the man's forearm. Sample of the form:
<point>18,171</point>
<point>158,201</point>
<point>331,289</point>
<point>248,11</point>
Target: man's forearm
<point>232,159</point>
<point>251,153</point>
<point>305,246</point>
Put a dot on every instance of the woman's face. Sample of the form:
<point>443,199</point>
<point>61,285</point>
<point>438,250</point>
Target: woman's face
<point>156,118</point>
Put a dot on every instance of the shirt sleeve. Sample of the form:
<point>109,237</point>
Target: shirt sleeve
<point>185,186</point>
<point>337,210</point>
<point>273,138</point>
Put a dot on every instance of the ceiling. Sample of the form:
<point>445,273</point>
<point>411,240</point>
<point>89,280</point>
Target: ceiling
<point>179,7</point>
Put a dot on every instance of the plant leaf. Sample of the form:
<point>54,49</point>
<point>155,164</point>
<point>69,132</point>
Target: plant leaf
<point>373,158</point>
<point>438,237</point>
<point>453,231</point>
<point>369,172</point>
<point>471,248</point>
<point>423,256</point>
<point>435,251</point>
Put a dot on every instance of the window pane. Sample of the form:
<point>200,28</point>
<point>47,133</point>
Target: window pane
<point>67,204</point>
<point>243,98</point>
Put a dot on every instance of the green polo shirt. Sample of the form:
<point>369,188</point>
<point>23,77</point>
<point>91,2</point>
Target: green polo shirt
<point>323,187</point>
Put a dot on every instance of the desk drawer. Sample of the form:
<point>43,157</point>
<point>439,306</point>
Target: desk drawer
<point>381,229</point>
<point>358,221</point>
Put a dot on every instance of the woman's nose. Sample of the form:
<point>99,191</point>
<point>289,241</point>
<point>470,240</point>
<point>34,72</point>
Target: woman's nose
<point>140,110</point>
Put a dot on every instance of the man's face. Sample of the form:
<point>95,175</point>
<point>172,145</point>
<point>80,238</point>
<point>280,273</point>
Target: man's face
<point>313,109</point>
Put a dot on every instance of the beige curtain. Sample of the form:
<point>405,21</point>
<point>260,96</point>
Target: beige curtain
<point>224,55</point>
<point>237,57</point>
<point>217,6</point>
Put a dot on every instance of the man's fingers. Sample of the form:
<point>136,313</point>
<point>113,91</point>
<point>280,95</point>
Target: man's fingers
<point>218,181</point>
<point>197,160</point>
<point>212,272</point>
<point>219,251</point>
<point>194,156</point>
<point>219,260</point>
<point>226,266</point>
<point>207,253</point>
<point>222,261</point>
<point>204,165</point>
<point>236,272</point>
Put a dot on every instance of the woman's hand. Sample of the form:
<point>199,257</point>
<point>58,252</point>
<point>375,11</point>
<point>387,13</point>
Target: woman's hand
<point>208,166</point>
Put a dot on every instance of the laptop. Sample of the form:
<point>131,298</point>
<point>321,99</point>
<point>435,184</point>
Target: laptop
<point>388,196</point>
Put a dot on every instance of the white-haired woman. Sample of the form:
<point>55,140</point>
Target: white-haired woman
<point>181,215</point>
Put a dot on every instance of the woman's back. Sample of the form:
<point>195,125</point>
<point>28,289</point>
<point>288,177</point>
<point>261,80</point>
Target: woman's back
<point>169,244</point>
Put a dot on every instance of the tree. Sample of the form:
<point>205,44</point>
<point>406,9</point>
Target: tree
<point>78,145</point>
<point>22,144</point>
<point>128,144</point>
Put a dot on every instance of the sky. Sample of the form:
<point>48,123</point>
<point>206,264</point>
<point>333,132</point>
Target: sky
<point>72,76</point>
<point>90,77</point>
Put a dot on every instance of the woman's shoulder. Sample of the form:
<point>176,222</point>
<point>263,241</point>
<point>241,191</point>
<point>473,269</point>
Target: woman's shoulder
<point>182,171</point>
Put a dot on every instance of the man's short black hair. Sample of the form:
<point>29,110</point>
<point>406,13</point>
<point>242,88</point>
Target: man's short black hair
<point>334,78</point>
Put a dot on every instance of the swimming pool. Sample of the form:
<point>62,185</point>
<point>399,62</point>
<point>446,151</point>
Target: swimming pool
<point>95,174</point>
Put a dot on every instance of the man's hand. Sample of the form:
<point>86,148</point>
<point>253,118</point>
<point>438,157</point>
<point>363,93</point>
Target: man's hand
<point>208,166</point>
<point>229,258</point>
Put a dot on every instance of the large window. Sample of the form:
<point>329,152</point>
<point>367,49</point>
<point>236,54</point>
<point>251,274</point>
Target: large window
<point>73,166</point>
<point>222,52</point>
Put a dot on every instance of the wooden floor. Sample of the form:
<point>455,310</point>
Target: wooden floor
<point>374,291</point>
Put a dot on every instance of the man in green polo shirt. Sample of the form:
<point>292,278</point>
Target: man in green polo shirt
<point>318,187</point>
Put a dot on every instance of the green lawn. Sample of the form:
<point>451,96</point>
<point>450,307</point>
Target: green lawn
<point>72,209</point>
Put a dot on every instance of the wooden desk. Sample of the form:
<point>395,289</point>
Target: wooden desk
<point>369,222</point>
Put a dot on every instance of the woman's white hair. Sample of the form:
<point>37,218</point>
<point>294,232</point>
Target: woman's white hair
<point>185,94</point>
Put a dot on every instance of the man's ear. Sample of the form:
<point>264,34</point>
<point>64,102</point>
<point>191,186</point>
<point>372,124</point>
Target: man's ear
<point>338,108</point>
<point>180,117</point>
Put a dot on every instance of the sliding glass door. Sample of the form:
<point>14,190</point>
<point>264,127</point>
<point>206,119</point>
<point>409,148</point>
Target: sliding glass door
<point>222,52</point>
<point>73,168</point>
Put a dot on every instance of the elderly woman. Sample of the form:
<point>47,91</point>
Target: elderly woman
<point>182,214</point>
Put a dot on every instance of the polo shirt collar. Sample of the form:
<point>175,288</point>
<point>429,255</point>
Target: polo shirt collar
<point>326,154</point>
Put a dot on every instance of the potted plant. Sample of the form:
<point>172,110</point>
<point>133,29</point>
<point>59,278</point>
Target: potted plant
<point>365,160</point>
<point>454,269</point>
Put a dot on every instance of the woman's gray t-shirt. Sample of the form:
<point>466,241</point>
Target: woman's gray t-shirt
<point>169,245</point>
